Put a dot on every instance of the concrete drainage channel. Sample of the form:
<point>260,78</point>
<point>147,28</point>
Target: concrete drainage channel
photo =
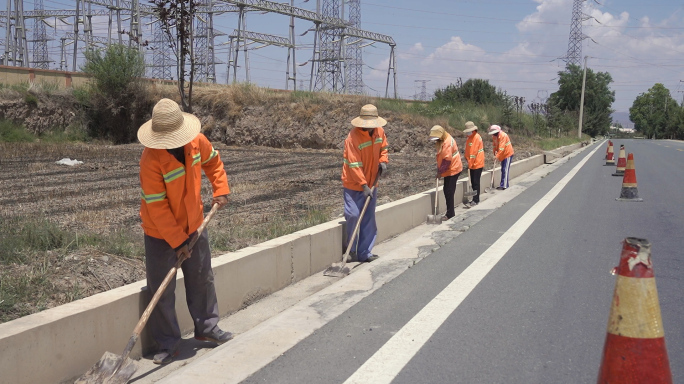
<point>69,339</point>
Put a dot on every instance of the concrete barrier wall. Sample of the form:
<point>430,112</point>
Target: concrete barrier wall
<point>63,342</point>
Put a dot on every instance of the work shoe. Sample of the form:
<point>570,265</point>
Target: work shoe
<point>164,356</point>
<point>444,218</point>
<point>500,188</point>
<point>473,203</point>
<point>372,258</point>
<point>216,335</point>
<point>467,205</point>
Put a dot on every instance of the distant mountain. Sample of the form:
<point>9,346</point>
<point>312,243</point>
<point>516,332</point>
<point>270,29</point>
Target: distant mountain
<point>622,118</point>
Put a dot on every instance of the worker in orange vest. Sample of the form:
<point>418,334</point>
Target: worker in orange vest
<point>503,151</point>
<point>171,210</point>
<point>449,165</point>
<point>474,155</point>
<point>365,159</point>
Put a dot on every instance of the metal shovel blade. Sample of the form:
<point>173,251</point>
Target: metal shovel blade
<point>434,219</point>
<point>109,370</point>
<point>337,270</point>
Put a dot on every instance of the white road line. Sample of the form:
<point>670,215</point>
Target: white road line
<point>389,360</point>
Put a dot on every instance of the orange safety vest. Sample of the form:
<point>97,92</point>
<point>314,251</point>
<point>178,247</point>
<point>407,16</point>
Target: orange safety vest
<point>363,153</point>
<point>171,203</point>
<point>449,152</point>
<point>474,151</point>
<point>502,146</point>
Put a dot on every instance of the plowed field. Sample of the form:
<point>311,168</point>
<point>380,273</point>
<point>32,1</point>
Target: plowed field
<point>80,225</point>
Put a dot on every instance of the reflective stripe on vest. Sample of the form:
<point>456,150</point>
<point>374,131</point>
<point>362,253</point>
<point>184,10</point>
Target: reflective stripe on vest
<point>196,158</point>
<point>366,144</point>
<point>357,164</point>
<point>173,175</point>
<point>151,198</point>
<point>211,156</point>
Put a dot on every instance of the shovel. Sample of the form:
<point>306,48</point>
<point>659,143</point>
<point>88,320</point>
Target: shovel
<point>436,218</point>
<point>115,369</point>
<point>469,191</point>
<point>341,269</point>
<point>491,184</point>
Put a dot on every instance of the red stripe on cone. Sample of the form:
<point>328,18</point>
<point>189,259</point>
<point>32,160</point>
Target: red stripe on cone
<point>635,351</point>
<point>638,361</point>
<point>630,172</point>
<point>622,161</point>
<point>610,160</point>
<point>629,191</point>
<point>633,261</point>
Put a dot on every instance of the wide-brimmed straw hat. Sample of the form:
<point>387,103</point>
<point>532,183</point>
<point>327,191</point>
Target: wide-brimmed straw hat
<point>169,127</point>
<point>494,129</point>
<point>470,126</point>
<point>368,118</point>
<point>437,132</point>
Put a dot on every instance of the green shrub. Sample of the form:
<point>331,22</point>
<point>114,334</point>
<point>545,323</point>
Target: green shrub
<point>31,100</point>
<point>115,69</point>
<point>117,102</point>
<point>13,133</point>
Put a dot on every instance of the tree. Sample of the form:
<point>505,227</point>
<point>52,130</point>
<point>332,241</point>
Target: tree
<point>176,18</point>
<point>477,91</point>
<point>598,98</point>
<point>656,114</point>
<point>116,100</point>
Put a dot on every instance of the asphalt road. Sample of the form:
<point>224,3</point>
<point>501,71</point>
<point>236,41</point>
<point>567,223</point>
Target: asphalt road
<point>539,314</point>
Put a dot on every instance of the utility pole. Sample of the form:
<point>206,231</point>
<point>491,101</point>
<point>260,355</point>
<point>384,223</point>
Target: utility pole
<point>73,67</point>
<point>584,81</point>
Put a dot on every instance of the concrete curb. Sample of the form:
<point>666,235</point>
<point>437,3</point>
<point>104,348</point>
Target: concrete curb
<point>69,339</point>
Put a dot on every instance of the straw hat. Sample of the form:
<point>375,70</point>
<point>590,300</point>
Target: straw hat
<point>470,126</point>
<point>436,132</point>
<point>368,118</point>
<point>169,127</point>
<point>494,129</point>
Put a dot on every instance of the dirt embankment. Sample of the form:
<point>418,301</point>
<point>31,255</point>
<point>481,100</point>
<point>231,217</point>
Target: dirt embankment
<point>283,158</point>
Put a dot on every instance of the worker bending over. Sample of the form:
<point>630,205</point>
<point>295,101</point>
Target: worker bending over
<point>171,168</point>
<point>449,165</point>
<point>365,159</point>
<point>474,154</point>
<point>503,151</point>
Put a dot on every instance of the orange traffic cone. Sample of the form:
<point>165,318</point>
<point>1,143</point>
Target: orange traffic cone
<point>610,156</point>
<point>629,190</point>
<point>621,163</point>
<point>635,351</point>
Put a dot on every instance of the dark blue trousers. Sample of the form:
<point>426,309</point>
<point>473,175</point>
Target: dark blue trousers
<point>368,231</point>
<point>505,170</point>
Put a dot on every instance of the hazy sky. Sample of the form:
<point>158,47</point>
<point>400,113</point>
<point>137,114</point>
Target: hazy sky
<point>515,44</point>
